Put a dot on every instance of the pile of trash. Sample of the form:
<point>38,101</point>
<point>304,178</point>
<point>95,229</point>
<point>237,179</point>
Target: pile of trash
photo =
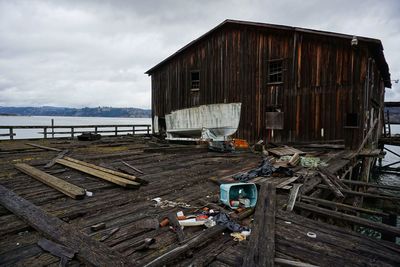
<point>306,161</point>
<point>264,169</point>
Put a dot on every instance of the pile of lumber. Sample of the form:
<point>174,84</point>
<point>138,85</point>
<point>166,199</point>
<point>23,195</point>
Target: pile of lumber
<point>119,178</point>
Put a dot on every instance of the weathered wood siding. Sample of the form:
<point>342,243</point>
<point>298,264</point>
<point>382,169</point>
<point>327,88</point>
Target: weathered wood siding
<point>324,78</point>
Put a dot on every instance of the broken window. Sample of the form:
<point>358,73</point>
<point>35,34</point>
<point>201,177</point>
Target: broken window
<point>351,120</point>
<point>194,80</point>
<point>275,71</point>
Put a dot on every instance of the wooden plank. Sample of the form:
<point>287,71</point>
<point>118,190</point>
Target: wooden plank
<point>332,204</point>
<point>286,262</point>
<point>285,151</point>
<point>99,174</point>
<point>44,147</point>
<point>116,173</point>
<point>64,187</point>
<point>293,196</point>
<point>53,161</point>
<point>132,167</point>
<point>389,187</point>
<point>331,186</point>
<point>356,193</point>
<point>350,218</point>
<point>89,251</point>
<point>288,181</point>
<point>261,248</point>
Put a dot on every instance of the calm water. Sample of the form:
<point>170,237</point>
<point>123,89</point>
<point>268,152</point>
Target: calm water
<point>46,120</point>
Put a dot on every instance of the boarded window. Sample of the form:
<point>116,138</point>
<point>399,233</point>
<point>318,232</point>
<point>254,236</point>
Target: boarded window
<point>351,120</point>
<point>274,120</point>
<point>195,80</point>
<point>275,71</point>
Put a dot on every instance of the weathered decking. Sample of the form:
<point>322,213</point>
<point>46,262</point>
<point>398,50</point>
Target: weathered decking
<point>175,173</point>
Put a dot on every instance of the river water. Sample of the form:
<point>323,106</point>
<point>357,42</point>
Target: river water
<point>46,120</point>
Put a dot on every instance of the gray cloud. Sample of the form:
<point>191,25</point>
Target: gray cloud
<point>91,53</point>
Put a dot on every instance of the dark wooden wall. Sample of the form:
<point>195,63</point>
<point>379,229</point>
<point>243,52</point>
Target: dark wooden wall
<point>324,79</point>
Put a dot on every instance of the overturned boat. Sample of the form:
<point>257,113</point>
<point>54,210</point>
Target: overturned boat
<point>215,122</point>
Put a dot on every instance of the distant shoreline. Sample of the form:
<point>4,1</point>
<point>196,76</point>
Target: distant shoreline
<point>7,114</point>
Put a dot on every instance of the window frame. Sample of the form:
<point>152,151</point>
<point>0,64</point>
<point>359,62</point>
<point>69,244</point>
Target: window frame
<point>192,82</point>
<point>276,72</point>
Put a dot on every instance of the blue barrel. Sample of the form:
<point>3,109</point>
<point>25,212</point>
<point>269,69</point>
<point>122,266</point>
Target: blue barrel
<point>234,192</point>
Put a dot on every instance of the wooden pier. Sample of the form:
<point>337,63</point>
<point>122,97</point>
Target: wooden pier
<point>307,224</point>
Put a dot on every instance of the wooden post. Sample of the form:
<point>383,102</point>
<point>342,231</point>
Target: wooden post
<point>72,132</point>
<point>148,129</point>
<point>11,133</point>
<point>52,128</point>
<point>45,132</point>
<point>133,129</point>
<point>116,130</point>
<point>261,248</point>
<point>95,130</point>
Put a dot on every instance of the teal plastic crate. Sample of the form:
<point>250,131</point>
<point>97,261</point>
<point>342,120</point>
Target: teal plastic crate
<point>233,191</point>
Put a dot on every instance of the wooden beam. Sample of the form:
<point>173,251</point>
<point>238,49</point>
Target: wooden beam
<point>93,166</point>
<point>64,187</point>
<point>390,187</point>
<point>286,262</point>
<point>331,186</point>
<point>332,204</point>
<point>90,251</point>
<point>53,161</point>
<point>99,174</point>
<point>356,193</point>
<point>367,136</point>
<point>350,218</point>
<point>132,167</point>
<point>261,248</point>
<point>44,147</point>
<point>293,196</point>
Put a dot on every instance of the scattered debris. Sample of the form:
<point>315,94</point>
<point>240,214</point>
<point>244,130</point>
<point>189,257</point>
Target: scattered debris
<point>109,234</point>
<point>169,204</point>
<point>132,167</point>
<point>64,253</point>
<point>98,227</point>
<point>221,146</point>
<point>88,136</point>
<point>264,169</point>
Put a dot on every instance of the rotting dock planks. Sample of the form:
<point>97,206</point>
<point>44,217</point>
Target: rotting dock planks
<point>89,251</point>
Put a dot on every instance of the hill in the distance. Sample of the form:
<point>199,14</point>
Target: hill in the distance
<point>77,112</point>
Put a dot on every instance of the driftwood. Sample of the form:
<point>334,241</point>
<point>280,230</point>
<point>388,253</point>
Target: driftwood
<point>261,249</point>
<point>90,251</point>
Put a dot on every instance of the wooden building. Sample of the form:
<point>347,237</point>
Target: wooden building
<point>295,84</point>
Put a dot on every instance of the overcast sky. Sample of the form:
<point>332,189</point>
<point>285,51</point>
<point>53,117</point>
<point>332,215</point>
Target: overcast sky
<point>95,53</point>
